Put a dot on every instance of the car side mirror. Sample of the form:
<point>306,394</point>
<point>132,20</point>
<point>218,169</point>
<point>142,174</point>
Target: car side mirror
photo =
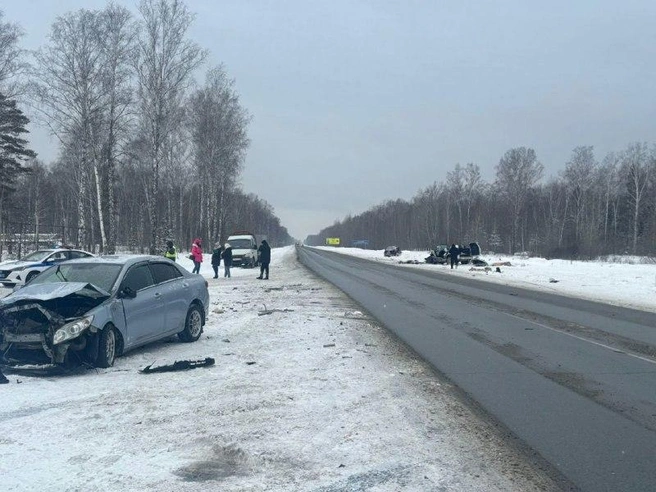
<point>127,293</point>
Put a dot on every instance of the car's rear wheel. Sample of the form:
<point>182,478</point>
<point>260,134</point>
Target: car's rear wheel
<point>106,348</point>
<point>30,276</point>
<point>193,325</point>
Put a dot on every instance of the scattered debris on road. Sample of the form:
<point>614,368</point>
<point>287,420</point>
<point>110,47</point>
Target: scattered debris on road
<point>270,311</point>
<point>178,365</point>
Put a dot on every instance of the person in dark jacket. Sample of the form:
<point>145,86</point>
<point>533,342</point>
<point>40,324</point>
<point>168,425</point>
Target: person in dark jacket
<point>216,259</point>
<point>227,259</point>
<point>454,251</point>
<point>264,255</point>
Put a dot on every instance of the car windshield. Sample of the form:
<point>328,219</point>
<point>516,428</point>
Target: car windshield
<point>37,255</point>
<point>102,275</point>
<point>240,243</point>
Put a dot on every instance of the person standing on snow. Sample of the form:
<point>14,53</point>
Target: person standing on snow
<point>197,255</point>
<point>171,253</point>
<point>454,251</point>
<point>216,259</point>
<point>227,259</point>
<point>264,255</point>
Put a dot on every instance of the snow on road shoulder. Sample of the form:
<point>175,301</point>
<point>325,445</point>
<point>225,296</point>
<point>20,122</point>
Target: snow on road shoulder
<point>624,284</point>
<point>307,393</point>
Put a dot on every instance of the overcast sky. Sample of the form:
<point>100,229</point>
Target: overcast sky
<point>346,93</point>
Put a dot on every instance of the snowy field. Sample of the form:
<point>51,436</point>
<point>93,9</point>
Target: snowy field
<point>307,394</point>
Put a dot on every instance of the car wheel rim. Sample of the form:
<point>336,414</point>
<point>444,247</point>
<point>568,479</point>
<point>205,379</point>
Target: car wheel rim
<point>110,347</point>
<point>195,323</point>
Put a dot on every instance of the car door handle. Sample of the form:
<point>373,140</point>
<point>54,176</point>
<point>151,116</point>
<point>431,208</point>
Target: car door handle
<point>158,294</point>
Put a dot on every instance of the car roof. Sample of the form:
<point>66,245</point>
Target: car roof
<point>55,250</point>
<point>118,259</point>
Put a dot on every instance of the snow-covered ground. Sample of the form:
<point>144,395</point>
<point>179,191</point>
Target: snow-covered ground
<point>307,394</point>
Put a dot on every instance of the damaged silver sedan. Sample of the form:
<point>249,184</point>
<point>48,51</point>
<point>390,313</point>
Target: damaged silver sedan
<point>95,309</point>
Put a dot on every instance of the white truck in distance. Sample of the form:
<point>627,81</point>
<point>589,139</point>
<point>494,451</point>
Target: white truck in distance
<point>244,249</point>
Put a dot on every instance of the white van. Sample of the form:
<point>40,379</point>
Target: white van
<point>244,249</point>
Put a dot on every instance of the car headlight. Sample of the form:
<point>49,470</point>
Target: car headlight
<point>72,330</point>
<point>18,269</point>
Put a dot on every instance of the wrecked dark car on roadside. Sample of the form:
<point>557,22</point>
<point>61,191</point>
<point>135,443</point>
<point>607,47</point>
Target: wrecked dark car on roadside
<point>439,255</point>
<point>94,309</point>
<point>392,251</point>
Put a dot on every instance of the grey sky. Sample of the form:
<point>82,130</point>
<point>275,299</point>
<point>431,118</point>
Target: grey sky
<point>360,101</point>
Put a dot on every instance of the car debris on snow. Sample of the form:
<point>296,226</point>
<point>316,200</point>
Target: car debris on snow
<point>179,365</point>
<point>271,311</point>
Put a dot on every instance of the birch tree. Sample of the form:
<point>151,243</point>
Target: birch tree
<point>165,64</point>
<point>455,185</point>
<point>117,37</point>
<point>517,172</point>
<point>579,175</point>
<point>68,88</point>
<point>637,168</point>
<point>219,133</point>
<point>473,189</point>
<point>609,183</point>
<point>13,64</point>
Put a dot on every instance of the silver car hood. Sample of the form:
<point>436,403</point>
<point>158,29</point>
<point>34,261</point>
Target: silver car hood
<point>47,292</point>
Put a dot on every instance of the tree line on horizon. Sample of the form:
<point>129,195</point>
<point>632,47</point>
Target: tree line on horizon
<point>146,153</point>
<point>589,209</point>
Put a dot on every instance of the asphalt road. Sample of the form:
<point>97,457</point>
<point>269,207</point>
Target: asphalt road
<point>574,380</point>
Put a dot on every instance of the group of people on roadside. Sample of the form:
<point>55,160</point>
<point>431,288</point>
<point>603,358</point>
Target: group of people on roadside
<point>222,252</point>
<point>218,253</point>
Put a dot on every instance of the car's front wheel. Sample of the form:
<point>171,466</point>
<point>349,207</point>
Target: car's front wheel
<point>106,348</point>
<point>193,325</point>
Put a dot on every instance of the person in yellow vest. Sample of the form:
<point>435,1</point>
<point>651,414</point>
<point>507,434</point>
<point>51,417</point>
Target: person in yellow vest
<point>171,253</point>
